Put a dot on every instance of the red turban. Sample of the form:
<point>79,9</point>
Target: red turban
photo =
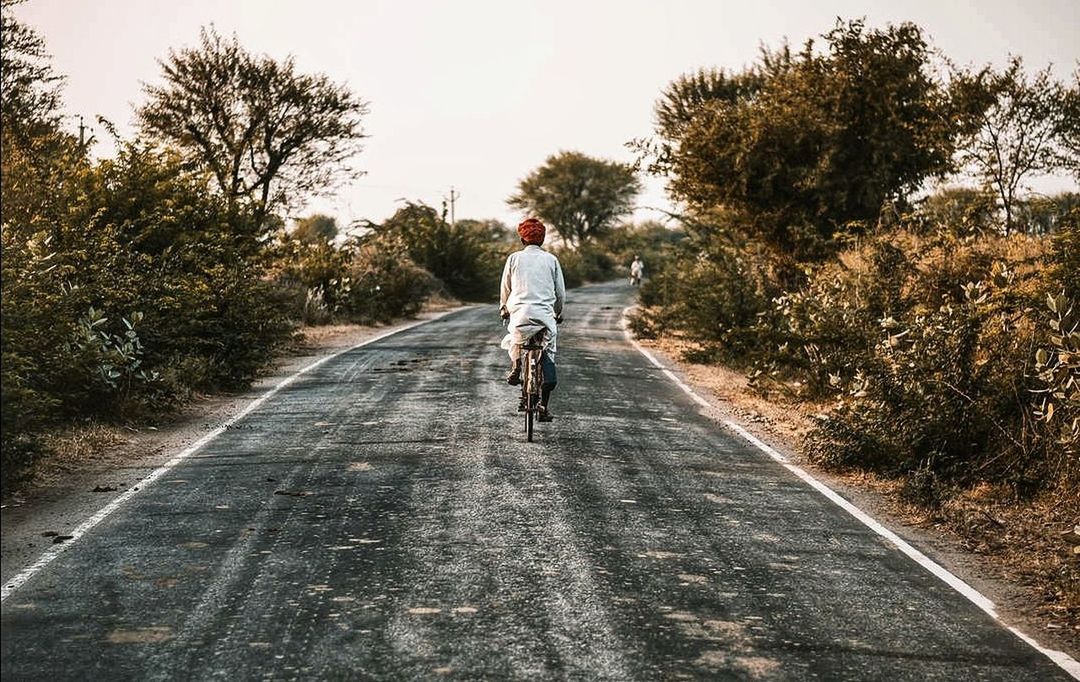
<point>532,231</point>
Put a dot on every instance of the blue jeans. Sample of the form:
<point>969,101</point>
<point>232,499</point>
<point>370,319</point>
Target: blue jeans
<point>547,366</point>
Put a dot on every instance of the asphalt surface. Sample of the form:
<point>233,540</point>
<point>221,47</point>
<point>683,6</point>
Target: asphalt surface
<point>382,517</point>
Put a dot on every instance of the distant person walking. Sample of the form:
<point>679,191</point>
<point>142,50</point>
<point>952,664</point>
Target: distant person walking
<point>637,271</point>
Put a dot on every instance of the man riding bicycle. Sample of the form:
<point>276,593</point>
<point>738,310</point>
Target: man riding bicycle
<point>531,298</point>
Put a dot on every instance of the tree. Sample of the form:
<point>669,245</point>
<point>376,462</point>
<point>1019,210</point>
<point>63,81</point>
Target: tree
<point>687,95</point>
<point>267,133</point>
<point>29,89</point>
<point>681,101</point>
<point>581,197</point>
<point>466,257</point>
<point>37,158</point>
<point>315,229</point>
<point>1017,134</point>
<point>1069,136</point>
<point>805,145</point>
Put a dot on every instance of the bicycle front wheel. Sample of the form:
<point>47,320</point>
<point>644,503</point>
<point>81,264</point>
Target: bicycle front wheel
<point>530,411</point>
<point>526,390</point>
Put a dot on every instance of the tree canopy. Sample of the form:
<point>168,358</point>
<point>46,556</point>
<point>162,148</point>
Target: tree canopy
<point>29,88</point>
<point>580,196</point>
<point>316,228</point>
<point>808,143</point>
<point>1021,133</point>
<point>466,256</point>
<point>268,134</point>
<point>1070,133</point>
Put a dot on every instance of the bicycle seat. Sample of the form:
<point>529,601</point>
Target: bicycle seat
<point>535,342</point>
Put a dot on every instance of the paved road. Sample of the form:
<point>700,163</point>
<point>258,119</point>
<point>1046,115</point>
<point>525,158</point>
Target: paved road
<point>382,518</point>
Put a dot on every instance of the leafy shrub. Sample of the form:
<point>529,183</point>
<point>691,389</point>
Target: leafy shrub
<point>319,269</point>
<point>1057,365</point>
<point>586,263</point>
<point>466,257</point>
<point>1057,360</point>
<point>30,286</point>
<point>715,290</point>
<point>931,360</point>
<point>1064,274</point>
<point>140,275</point>
<point>924,336</point>
<point>939,391</point>
<point>116,357</point>
<point>315,311</point>
<point>386,283</point>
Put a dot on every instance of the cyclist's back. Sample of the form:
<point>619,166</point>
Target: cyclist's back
<point>532,274</point>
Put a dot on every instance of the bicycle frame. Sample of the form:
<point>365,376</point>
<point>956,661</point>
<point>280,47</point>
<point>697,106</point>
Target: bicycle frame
<point>532,379</point>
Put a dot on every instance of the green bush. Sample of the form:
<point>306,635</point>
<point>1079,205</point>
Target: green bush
<point>715,291</point>
<point>313,276</point>
<point>927,343</point>
<point>586,263</point>
<point>1057,366</point>
<point>141,287</point>
<point>1057,360</point>
<point>386,283</point>
<point>946,362</point>
<point>942,390</point>
<point>371,279</point>
<point>30,349</point>
<point>466,257</point>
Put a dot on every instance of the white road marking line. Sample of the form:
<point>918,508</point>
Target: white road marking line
<point>1062,659</point>
<point>56,550</point>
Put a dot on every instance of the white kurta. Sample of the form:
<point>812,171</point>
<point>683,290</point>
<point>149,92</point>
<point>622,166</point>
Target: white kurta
<point>533,291</point>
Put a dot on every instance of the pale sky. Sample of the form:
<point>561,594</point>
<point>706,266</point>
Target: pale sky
<point>477,94</point>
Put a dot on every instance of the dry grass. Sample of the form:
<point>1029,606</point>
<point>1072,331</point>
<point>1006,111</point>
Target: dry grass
<point>74,447</point>
<point>779,415</point>
<point>312,337</point>
<point>1029,541</point>
<point>439,302</point>
<point>317,336</point>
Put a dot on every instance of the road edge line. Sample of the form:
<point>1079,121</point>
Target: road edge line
<point>50,555</point>
<point>1062,659</point>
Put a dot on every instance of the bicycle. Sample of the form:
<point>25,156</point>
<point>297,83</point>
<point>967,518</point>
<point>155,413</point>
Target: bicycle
<point>532,379</point>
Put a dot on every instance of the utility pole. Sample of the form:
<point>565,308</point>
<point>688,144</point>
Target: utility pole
<point>454,196</point>
<point>82,134</point>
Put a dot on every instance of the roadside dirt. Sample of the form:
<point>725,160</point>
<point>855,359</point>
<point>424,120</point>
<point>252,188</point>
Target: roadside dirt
<point>1017,555</point>
<point>92,464</point>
